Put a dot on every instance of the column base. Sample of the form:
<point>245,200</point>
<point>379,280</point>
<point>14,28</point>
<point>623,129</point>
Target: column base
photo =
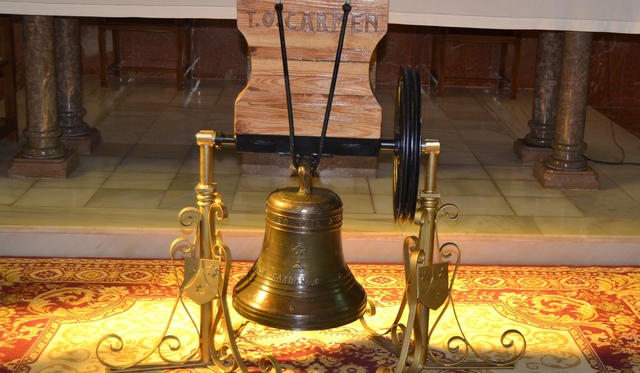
<point>564,179</point>
<point>529,154</point>
<point>83,144</point>
<point>55,168</point>
<point>338,166</point>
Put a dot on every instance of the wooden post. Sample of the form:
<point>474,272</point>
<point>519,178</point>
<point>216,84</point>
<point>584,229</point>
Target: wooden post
<point>311,28</point>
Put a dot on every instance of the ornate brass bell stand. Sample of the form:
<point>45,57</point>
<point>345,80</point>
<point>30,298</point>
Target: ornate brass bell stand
<point>206,281</point>
<point>290,288</point>
<point>428,288</point>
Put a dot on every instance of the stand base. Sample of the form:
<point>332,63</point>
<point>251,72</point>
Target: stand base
<point>529,154</point>
<point>84,144</point>
<point>561,179</point>
<point>56,168</point>
<point>467,366</point>
<point>160,366</point>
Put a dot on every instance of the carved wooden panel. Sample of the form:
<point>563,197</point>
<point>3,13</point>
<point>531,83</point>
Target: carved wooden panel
<point>312,29</point>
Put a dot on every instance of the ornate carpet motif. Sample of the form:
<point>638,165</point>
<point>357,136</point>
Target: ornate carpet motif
<point>575,319</point>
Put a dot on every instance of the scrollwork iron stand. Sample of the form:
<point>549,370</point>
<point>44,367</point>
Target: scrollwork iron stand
<point>428,288</point>
<point>206,280</point>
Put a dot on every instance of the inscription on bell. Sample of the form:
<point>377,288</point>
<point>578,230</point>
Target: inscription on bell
<point>280,219</point>
<point>311,223</point>
<point>315,21</point>
<point>303,223</point>
<point>287,279</point>
<point>284,279</point>
<point>258,270</point>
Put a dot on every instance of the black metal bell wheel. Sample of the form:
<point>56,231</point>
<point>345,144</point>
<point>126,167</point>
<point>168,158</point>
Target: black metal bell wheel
<point>408,144</point>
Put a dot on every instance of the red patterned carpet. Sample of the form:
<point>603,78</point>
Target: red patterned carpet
<point>575,319</point>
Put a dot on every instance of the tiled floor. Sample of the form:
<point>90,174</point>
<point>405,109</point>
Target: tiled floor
<point>124,198</point>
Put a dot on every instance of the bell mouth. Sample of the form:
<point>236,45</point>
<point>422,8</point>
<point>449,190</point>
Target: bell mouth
<point>291,305</point>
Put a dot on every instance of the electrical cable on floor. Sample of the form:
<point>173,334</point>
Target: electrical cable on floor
<point>610,108</point>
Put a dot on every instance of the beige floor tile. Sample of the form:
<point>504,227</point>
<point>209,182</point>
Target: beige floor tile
<point>98,164</point>
<point>434,121</point>
<point>77,179</point>
<point>481,125</point>
<point>261,183</point>
<point>108,149</point>
<point>605,203</point>
<point>139,180</point>
<point>357,203</point>
<point>127,198</point>
<point>199,97</point>
<point>543,206</point>
<point>467,187</point>
<point>587,228</point>
<point>159,151</point>
<point>626,177</point>
<point>185,181</point>
<point>494,141</point>
<point>56,197</point>
<point>242,221</point>
<point>177,200</point>
<point>157,94</point>
<point>456,94</point>
<point>129,123</point>
<point>244,201</point>
<point>458,158</point>
<point>526,188</point>
<point>481,206</point>
<point>497,158</point>
<point>178,120</point>
<point>142,109</point>
<point>383,186</point>
<point>450,139</point>
<point>378,224</point>
<point>162,165</point>
<point>121,137</point>
<point>498,225</point>
<point>341,185</point>
<point>516,172</point>
<point>12,189</point>
<point>455,109</point>
<point>170,137</point>
<point>383,203</point>
<point>453,171</point>
<point>478,115</point>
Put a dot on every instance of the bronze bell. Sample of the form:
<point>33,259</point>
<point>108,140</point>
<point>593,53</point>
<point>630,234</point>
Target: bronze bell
<point>300,280</point>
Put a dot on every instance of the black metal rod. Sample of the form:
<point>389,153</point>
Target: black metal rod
<point>334,78</point>
<point>287,85</point>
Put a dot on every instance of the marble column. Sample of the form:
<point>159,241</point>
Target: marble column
<point>43,155</point>
<point>76,134</point>
<point>567,167</point>
<point>536,144</point>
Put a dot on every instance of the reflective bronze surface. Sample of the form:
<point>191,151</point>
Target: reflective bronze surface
<point>300,280</point>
